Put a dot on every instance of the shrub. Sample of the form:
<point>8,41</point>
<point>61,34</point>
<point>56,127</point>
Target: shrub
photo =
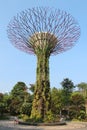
<point>49,117</point>
<point>82,115</point>
<point>26,109</point>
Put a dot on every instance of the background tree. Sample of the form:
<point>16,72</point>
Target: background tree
<point>19,95</point>
<point>20,90</point>
<point>1,97</point>
<point>2,105</point>
<point>77,105</point>
<point>32,88</point>
<point>83,88</point>
<point>5,100</point>
<point>26,108</point>
<point>43,32</point>
<point>67,89</point>
<point>56,101</point>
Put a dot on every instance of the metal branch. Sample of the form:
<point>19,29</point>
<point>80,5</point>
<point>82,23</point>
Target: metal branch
<point>34,21</point>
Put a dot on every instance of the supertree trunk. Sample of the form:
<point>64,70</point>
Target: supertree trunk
<point>42,98</point>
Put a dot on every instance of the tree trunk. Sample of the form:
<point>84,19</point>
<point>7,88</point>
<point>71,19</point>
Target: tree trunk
<point>41,102</point>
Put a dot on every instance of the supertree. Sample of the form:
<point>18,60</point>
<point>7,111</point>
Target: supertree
<point>43,32</point>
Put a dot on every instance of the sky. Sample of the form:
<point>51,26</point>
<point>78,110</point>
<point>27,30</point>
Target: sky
<point>16,65</point>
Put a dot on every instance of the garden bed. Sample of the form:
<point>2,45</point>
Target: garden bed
<point>42,124</point>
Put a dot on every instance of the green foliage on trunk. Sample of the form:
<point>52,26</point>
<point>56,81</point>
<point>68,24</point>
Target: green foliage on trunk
<point>41,102</point>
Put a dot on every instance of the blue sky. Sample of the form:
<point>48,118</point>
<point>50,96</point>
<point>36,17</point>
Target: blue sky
<point>16,65</point>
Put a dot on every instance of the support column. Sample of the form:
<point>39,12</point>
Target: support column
<point>41,102</point>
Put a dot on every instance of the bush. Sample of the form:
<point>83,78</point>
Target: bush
<point>82,115</point>
<point>2,108</point>
<point>49,117</point>
<point>24,117</point>
<point>26,108</point>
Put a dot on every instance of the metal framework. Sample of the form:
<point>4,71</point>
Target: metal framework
<point>57,27</point>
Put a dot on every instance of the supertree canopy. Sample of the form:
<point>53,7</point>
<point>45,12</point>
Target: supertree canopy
<point>43,32</point>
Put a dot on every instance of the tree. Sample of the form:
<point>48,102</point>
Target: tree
<point>1,96</point>
<point>2,108</point>
<point>20,90</point>
<point>15,105</point>
<point>77,105</point>
<point>83,88</point>
<point>7,100</point>
<point>19,95</point>
<point>26,108</point>
<point>43,32</point>
<point>67,90</point>
<point>56,103</point>
<point>2,105</point>
<point>32,88</point>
